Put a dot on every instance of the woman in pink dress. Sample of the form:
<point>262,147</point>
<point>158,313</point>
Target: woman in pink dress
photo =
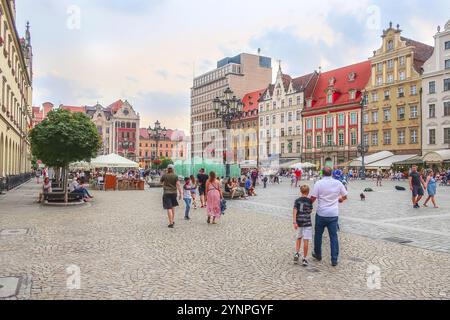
<point>213,198</point>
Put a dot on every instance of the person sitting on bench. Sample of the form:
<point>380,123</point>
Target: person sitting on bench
<point>46,188</point>
<point>77,187</point>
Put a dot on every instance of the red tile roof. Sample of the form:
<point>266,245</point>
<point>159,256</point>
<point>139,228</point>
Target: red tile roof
<point>250,102</point>
<point>115,106</point>
<point>143,134</point>
<point>342,85</point>
<point>422,52</point>
<point>73,108</point>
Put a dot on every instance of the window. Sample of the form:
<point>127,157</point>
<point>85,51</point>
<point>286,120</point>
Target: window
<point>308,142</point>
<point>330,98</point>
<point>309,103</point>
<point>446,135</point>
<point>341,139</point>
<point>446,108</point>
<point>414,136</point>
<point>432,136</point>
<point>401,113</point>
<point>353,118</point>
<point>432,87</point>
<point>401,136</point>
<point>413,112</point>
<point>374,138</point>
<point>387,137</point>
<point>274,119</point>
<point>401,92</point>
<point>341,120</point>
<point>401,60</point>
<point>289,116</point>
<point>366,139</point>
<point>413,90</point>
<point>374,116</point>
<point>352,94</point>
<point>366,118</point>
<point>319,123</point>
<point>447,84</point>
<point>379,67</point>
<point>290,102</point>
<point>299,130</point>
<point>261,121</point>
<point>390,64</point>
<point>290,131</point>
<point>402,75</point>
<point>299,115</point>
<point>390,45</point>
<point>387,94</point>
<point>329,139</point>
<point>282,132</point>
<point>299,100</point>
<point>267,120</point>
<point>282,148</point>
<point>282,117</point>
<point>447,64</point>
<point>309,124</point>
<point>353,138</point>
<point>374,96</point>
<point>319,141</point>
<point>447,45</point>
<point>432,111</point>
<point>274,105</point>
<point>299,147</point>
<point>379,80</point>
<point>329,122</point>
<point>386,115</point>
<point>282,103</point>
<point>390,78</point>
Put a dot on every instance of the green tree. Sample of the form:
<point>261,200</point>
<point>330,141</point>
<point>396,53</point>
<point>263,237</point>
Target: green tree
<point>64,137</point>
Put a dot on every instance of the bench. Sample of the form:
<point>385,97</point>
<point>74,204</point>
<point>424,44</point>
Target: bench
<point>60,197</point>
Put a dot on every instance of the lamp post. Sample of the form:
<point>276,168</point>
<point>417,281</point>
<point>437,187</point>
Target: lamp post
<point>363,148</point>
<point>157,133</point>
<point>228,109</point>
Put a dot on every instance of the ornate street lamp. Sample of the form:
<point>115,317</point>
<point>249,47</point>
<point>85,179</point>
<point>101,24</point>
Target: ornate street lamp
<point>157,133</point>
<point>228,109</point>
<point>363,148</point>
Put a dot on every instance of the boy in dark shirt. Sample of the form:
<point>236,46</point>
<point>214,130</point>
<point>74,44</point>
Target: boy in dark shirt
<point>302,224</point>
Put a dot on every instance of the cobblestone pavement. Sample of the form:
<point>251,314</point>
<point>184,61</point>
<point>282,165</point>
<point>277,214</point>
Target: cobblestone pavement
<point>124,250</point>
<point>386,213</point>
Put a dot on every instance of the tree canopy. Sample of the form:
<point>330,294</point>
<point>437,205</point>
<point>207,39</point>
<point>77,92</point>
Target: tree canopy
<point>65,137</point>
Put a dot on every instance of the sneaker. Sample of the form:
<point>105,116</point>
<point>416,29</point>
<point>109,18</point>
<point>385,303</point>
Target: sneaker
<point>171,226</point>
<point>187,218</point>
<point>305,262</point>
<point>209,220</point>
<point>296,258</point>
<point>316,257</point>
<point>334,263</point>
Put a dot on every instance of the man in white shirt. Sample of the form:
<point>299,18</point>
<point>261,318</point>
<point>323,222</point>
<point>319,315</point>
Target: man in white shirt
<point>329,193</point>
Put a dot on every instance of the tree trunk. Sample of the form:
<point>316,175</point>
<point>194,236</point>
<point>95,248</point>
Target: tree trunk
<point>66,197</point>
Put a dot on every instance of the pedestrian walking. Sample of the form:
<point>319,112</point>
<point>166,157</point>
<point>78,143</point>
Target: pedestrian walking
<point>187,197</point>
<point>303,207</point>
<point>194,191</point>
<point>213,198</point>
<point>431,186</point>
<point>415,184</point>
<point>328,192</point>
<point>379,177</point>
<point>171,185</point>
<point>202,178</point>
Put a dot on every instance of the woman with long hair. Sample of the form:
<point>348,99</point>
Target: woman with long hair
<point>431,187</point>
<point>213,198</point>
<point>194,191</point>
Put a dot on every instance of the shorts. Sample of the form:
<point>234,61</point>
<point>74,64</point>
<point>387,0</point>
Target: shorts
<point>305,233</point>
<point>417,191</point>
<point>170,201</point>
<point>379,178</point>
<point>202,190</point>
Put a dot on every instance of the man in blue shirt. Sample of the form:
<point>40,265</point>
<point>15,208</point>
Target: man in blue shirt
<point>337,173</point>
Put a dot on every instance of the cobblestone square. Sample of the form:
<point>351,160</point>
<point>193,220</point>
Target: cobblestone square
<point>121,248</point>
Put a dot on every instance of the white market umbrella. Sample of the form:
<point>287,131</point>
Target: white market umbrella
<point>113,161</point>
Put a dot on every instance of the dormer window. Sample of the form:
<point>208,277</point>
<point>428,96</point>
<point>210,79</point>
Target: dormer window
<point>390,45</point>
<point>351,76</point>
<point>330,98</point>
<point>309,103</point>
<point>332,81</point>
<point>352,94</point>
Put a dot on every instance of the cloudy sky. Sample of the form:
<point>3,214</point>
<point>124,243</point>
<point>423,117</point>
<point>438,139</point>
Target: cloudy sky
<point>147,51</point>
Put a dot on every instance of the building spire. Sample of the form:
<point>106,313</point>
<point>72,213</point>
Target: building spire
<point>28,34</point>
<point>280,72</point>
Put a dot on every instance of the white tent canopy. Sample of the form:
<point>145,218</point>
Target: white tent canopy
<point>387,163</point>
<point>437,156</point>
<point>371,158</point>
<point>113,161</point>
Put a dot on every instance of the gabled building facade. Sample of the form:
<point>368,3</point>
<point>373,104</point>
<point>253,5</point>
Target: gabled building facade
<point>280,117</point>
<point>392,117</point>
<point>436,94</point>
<point>332,116</point>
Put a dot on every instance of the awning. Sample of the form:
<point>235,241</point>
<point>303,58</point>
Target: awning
<point>370,158</point>
<point>389,162</point>
<point>410,162</point>
<point>439,156</point>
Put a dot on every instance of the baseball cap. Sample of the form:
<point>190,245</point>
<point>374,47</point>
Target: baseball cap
<point>171,166</point>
